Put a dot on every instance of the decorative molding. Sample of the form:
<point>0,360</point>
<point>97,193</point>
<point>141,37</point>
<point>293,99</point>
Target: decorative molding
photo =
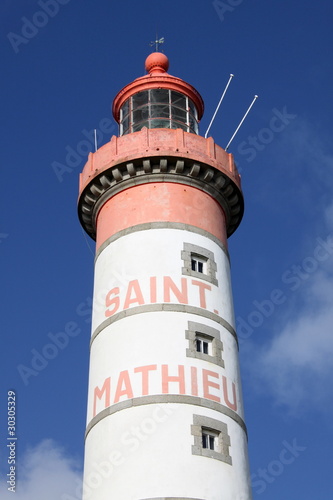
<point>154,169</point>
<point>161,225</point>
<point>166,398</point>
<point>148,308</point>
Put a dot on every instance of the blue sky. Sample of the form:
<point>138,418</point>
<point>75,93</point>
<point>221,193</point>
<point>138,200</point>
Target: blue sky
<point>59,77</point>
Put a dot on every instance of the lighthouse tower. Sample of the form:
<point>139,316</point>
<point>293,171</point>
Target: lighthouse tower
<point>165,414</point>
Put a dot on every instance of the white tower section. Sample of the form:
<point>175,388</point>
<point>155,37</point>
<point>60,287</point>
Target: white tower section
<point>165,413</point>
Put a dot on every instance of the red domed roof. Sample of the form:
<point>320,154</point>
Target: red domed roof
<point>157,63</point>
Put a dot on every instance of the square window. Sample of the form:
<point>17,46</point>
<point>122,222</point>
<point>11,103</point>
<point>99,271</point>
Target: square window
<point>209,439</point>
<point>139,99</point>
<point>203,344</point>
<point>178,99</point>
<point>160,96</point>
<point>178,114</point>
<point>159,111</point>
<point>198,264</point>
<point>140,114</point>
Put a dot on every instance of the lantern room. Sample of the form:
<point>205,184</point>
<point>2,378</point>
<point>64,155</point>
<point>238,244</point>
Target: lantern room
<point>158,100</point>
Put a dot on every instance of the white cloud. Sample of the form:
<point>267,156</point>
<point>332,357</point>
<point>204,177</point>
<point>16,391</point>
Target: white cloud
<point>45,472</point>
<point>296,365</point>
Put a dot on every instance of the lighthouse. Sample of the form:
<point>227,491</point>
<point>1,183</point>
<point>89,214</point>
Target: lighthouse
<point>165,418</point>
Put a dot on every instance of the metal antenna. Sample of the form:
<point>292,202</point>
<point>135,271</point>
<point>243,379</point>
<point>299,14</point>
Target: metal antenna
<point>157,42</point>
<point>95,140</point>
<point>219,104</point>
<point>239,126</point>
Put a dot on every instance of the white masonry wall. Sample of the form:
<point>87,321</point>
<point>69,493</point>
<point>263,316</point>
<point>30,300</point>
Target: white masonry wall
<point>148,392</point>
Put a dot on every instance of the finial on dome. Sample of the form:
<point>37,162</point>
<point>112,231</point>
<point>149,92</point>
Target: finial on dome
<point>157,63</point>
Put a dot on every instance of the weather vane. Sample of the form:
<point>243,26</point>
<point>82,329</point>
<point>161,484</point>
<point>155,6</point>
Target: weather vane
<point>157,42</point>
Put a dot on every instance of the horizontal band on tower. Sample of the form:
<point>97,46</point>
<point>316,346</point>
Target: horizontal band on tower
<point>211,180</point>
<point>148,308</point>
<point>166,398</point>
<point>161,225</point>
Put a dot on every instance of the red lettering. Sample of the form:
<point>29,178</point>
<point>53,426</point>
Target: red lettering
<point>233,405</point>
<point>153,298</point>
<point>202,295</point>
<point>98,393</point>
<point>112,302</point>
<point>133,286</point>
<point>181,295</point>
<point>145,377</point>
<point>166,379</point>
<point>127,390</point>
<point>208,383</point>
<point>194,381</point>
